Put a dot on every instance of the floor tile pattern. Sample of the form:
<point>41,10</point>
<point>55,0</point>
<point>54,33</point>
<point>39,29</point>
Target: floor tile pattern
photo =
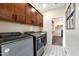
<point>55,50</point>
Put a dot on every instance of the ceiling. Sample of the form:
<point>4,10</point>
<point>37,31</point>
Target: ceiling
<point>48,6</point>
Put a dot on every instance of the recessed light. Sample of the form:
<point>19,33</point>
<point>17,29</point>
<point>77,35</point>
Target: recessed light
<point>44,5</point>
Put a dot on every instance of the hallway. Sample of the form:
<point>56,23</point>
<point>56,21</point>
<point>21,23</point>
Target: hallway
<point>57,31</point>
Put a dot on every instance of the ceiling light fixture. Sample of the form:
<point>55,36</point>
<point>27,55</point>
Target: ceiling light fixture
<point>44,5</point>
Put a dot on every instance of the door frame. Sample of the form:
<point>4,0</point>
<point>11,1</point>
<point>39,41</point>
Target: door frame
<point>63,41</point>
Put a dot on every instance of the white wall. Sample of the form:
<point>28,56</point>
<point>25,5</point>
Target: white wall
<point>14,27</point>
<point>72,36</point>
<point>60,12</point>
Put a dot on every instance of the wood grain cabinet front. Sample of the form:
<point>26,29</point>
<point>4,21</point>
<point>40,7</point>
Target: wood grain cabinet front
<point>20,12</point>
<point>6,11</point>
<point>28,14</point>
<point>39,19</point>
<point>34,21</point>
<point>23,13</point>
<point>33,17</point>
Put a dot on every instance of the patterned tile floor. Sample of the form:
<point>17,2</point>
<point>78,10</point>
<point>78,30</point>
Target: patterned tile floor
<point>54,50</point>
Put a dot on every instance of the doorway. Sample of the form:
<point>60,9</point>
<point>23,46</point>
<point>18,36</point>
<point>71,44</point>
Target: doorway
<point>57,33</point>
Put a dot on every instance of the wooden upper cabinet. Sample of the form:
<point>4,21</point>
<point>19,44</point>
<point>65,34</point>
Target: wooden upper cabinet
<point>20,12</point>
<point>7,11</point>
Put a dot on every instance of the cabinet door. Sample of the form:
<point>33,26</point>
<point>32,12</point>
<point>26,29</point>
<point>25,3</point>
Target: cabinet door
<point>37,18</point>
<point>20,12</point>
<point>28,14</point>
<point>34,16</point>
<point>41,20</point>
<point>7,11</point>
<point>31,15</point>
